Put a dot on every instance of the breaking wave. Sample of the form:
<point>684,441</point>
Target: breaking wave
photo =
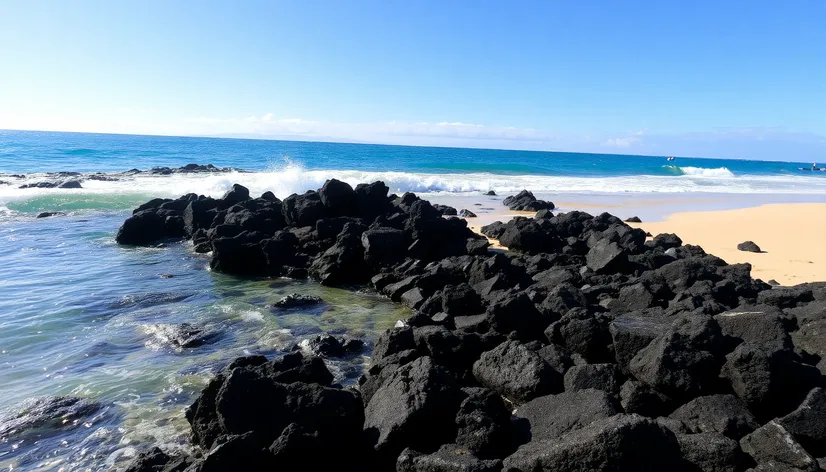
<point>293,178</point>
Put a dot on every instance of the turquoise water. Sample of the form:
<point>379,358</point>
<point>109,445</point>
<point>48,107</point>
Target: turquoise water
<point>84,317</point>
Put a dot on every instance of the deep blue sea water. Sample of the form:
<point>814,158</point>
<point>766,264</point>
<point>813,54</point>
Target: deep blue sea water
<point>83,317</point>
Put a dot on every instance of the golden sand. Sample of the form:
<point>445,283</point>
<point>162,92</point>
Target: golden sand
<point>792,236</point>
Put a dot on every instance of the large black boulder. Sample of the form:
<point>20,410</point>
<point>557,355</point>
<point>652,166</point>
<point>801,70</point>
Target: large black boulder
<point>384,246</point>
<point>256,395</point>
<point>141,229</point>
<point>607,257</point>
<point>773,445</point>
<point>199,214</point>
<point>684,361</point>
<point>339,197</point>
<point>723,414</point>
<point>771,382</point>
<point>242,254</point>
<point>808,422</point>
<point>237,194</point>
<point>525,201</point>
<point>619,443</point>
<point>415,407</point>
<point>712,452</point>
<point>484,424</point>
<point>552,416</point>
<point>343,263</point>
<point>516,372</point>
<point>303,210</point>
<point>449,458</point>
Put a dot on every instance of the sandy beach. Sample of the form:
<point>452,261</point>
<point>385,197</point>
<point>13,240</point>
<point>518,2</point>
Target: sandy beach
<point>792,236</point>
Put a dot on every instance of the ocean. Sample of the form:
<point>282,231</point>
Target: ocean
<point>82,317</point>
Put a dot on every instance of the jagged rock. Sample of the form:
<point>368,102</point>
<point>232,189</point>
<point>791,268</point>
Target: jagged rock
<point>240,254</point>
<point>449,458</point>
<point>771,382</point>
<point>484,424</point>
<point>419,397</point>
<point>514,312</point>
<point>724,414</point>
<point>772,444</point>
<point>607,257</point>
<point>557,357</point>
<point>525,201</point>
<point>466,213</point>
<point>552,416</point>
<point>343,263</point>
<point>181,336</point>
<point>593,376</point>
<point>141,229</point>
<point>785,297</point>
<point>393,341</point>
<point>295,300</point>
<point>254,394</point>
<point>445,210</point>
<point>630,334</point>
<point>712,452</point>
<point>516,372</point>
<point>155,460</point>
<point>682,361</point>
<point>47,214</point>
<point>42,415</point>
<point>808,422</point>
<point>199,214</point>
<point>584,333</point>
<point>339,197</point>
<point>811,338</point>
<point>70,184</point>
<point>756,325</point>
<point>633,219</point>
<point>622,442</point>
<point>236,194</point>
<point>637,397</point>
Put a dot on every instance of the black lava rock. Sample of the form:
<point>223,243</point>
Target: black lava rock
<point>748,246</point>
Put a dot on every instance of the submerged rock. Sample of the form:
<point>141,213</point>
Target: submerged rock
<point>45,415</point>
<point>295,300</point>
<point>47,214</point>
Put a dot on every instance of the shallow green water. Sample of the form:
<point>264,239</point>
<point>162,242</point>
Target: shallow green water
<point>81,316</point>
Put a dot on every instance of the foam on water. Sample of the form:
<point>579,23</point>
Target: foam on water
<point>293,178</point>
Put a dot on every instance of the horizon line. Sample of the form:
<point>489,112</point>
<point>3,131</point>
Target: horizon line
<point>334,140</point>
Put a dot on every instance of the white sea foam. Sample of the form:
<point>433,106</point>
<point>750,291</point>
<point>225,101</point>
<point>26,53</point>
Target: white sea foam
<point>295,179</point>
<point>706,172</point>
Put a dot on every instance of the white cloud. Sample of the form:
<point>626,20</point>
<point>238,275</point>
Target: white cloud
<point>621,142</point>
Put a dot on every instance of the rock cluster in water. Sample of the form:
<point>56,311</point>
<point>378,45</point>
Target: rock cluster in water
<point>583,348</point>
<point>74,180</point>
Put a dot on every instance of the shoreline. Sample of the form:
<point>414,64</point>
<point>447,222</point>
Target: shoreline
<point>792,236</point>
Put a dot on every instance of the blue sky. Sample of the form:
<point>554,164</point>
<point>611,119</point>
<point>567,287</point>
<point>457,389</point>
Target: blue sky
<point>718,79</point>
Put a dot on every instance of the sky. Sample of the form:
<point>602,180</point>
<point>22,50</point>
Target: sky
<point>736,79</point>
